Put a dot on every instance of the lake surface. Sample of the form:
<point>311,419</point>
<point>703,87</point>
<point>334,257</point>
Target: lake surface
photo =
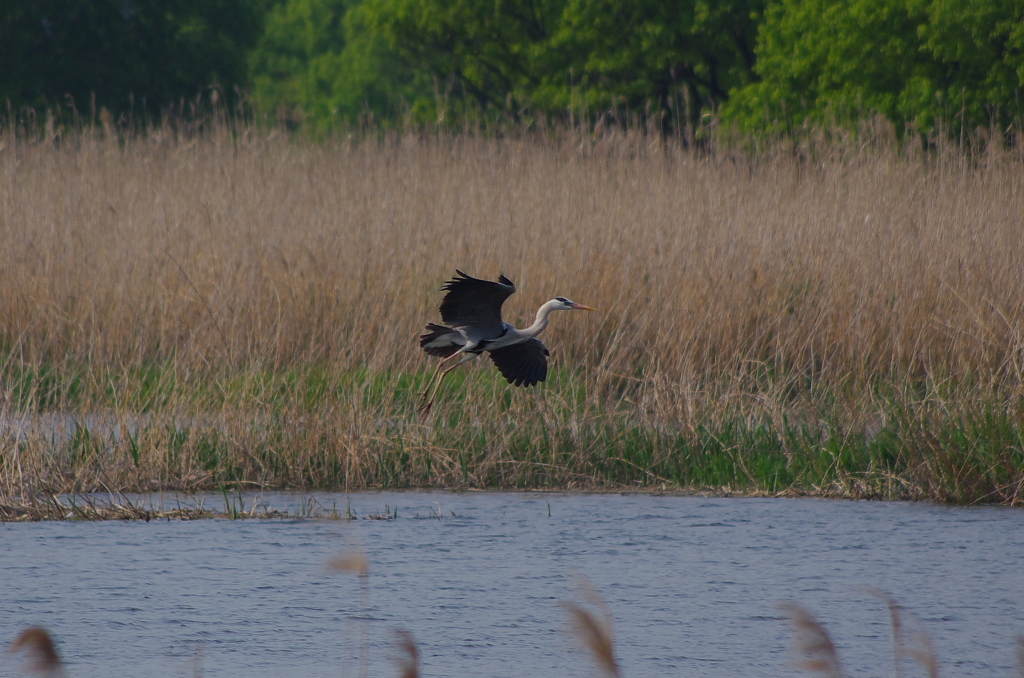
<point>692,583</point>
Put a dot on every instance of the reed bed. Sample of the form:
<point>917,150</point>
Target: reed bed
<point>236,308</point>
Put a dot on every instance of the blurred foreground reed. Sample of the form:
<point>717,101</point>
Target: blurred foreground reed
<point>591,624</point>
<point>231,308</point>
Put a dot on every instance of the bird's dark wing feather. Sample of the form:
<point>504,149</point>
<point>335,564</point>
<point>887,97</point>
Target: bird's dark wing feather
<point>523,364</point>
<point>476,303</point>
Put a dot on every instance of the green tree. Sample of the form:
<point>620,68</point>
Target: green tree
<point>913,61</point>
<point>318,62</point>
<point>977,47</point>
<point>494,54</point>
<point>141,54</point>
<point>656,56</point>
<point>555,55</point>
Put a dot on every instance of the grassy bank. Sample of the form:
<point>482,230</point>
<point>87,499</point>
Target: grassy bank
<point>197,312</point>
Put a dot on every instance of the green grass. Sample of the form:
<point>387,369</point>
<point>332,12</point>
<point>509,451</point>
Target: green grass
<point>314,427</point>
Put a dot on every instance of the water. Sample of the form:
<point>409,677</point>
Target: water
<point>692,584</point>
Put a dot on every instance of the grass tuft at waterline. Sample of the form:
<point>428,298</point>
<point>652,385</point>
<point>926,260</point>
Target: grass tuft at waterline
<point>232,309</point>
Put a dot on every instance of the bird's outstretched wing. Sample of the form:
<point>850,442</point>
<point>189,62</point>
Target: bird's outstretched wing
<point>475,303</point>
<point>523,364</point>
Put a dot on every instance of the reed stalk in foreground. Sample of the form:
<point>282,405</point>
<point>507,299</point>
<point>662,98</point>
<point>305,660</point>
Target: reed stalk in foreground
<point>818,654</point>
<point>233,309</point>
<point>592,626</point>
<point>409,663</point>
<point>42,658</point>
<point>910,641</point>
<point>812,643</point>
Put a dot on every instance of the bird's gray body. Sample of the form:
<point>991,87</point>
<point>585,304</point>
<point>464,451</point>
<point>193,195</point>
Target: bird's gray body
<point>444,341</point>
<point>471,311</point>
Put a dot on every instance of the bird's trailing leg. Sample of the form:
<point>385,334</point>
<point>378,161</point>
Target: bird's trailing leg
<point>440,365</point>
<point>425,409</point>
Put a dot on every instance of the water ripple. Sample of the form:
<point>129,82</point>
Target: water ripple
<point>692,584</point>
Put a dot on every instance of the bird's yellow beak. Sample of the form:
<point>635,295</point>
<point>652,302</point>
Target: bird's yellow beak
<point>581,307</point>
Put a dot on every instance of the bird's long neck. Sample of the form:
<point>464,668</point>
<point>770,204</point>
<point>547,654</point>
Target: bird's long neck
<point>542,320</point>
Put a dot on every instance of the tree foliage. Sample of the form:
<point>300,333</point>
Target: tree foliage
<point>657,56</point>
<point>491,55</point>
<point>918,63</point>
<point>762,64</point>
<point>553,56</point>
<point>317,62</point>
<point>125,53</point>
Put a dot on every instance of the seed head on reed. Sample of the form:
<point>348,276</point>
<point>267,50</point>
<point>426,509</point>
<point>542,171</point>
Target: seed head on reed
<point>355,562</point>
<point>197,662</point>
<point>38,646</point>
<point>812,642</point>
<point>409,660</point>
<point>912,643</point>
<point>595,631</point>
<point>351,562</point>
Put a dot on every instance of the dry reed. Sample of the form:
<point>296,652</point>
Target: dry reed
<point>592,626</point>
<point>914,643</point>
<point>356,562</point>
<point>188,311</point>
<point>812,643</point>
<point>409,661</point>
<point>352,562</point>
<point>911,640</point>
<point>40,650</point>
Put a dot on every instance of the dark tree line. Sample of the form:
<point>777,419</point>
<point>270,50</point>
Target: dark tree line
<point>123,55</point>
<point>758,64</point>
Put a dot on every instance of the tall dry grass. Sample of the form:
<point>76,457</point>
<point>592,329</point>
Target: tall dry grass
<point>240,306</point>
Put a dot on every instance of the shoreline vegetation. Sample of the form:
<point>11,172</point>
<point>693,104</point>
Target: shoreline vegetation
<point>230,307</point>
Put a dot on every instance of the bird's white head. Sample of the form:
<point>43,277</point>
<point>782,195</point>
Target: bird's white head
<point>567,305</point>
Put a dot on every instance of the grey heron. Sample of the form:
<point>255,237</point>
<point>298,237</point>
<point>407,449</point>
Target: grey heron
<point>471,311</point>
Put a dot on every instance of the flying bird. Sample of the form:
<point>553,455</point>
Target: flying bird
<point>471,311</point>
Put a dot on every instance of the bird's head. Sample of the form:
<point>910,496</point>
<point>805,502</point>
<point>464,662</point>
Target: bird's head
<point>567,305</point>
